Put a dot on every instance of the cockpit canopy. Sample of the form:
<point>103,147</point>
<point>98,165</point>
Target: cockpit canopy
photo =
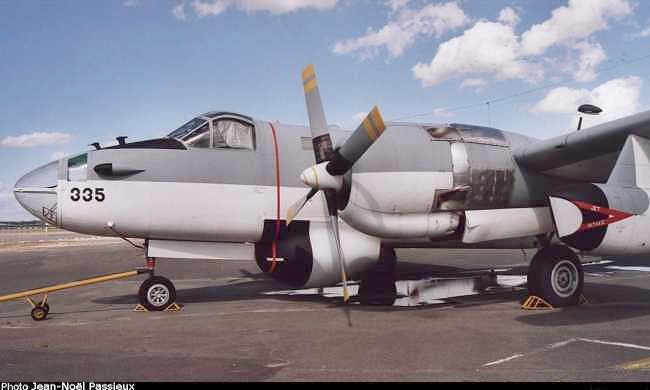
<point>220,130</point>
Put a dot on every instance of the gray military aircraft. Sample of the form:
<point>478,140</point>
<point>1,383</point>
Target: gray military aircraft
<point>316,206</point>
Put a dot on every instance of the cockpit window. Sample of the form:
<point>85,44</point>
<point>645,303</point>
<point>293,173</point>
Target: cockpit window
<point>77,168</point>
<point>186,128</point>
<point>199,138</point>
<point>230,133</point>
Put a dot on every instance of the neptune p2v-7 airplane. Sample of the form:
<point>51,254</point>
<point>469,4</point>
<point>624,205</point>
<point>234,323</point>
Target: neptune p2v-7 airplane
<point>316,206</point>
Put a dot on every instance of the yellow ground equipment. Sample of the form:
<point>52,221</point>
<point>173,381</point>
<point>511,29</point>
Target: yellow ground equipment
<point>42,308</point>
<point>536,303</point>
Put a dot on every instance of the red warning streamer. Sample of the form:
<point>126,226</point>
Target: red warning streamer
<point>274,245</point>
<point>610,215</point>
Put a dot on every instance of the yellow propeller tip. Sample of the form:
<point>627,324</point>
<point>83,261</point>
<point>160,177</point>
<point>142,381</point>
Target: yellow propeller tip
<point>308,72</point>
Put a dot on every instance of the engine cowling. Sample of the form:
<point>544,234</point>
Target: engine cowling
<point>307,258</point>
<point>602,219</point>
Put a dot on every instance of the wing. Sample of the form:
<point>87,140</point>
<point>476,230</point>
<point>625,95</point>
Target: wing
<point>587,155</point>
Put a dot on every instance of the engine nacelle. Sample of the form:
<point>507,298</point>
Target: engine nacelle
<point>307,257</point>
<point>602,219</point>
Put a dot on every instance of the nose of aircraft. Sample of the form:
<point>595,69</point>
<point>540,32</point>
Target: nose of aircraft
<point>36,192</point>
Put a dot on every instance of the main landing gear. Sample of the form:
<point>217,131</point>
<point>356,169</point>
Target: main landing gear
<point>555,275</point>
<point>378,284</point>
<point>156,293</point>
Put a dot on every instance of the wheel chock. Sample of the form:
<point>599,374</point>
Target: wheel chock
<point>173,307</point>
<point>583,300</point>
<point>536,303</point>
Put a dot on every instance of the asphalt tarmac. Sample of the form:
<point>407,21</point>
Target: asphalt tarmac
<point>237,324</point>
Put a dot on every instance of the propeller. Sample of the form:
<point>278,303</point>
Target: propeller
<point>331,165</point>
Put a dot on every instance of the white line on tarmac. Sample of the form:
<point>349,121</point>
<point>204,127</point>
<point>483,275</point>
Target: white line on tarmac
<point>543,349</point>
<point>513,357</point>
<point>565,343</point>
<point>624,345</point>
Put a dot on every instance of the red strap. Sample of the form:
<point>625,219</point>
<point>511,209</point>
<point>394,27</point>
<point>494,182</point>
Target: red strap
<point>610,215</point>
<point>274,245</point>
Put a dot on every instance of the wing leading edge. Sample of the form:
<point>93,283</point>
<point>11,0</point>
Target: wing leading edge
<point>587,155</point>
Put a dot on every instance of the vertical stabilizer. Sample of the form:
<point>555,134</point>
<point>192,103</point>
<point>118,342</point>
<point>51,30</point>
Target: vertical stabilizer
<point>632,168</point>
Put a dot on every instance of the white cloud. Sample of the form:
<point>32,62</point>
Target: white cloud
<point>508,16</point>
<point>645,33</point>
<point>397,4</point>
<point>34,139</point>
<point>472,83</point>
<point>132,3</point>
<point>618,98</point>
<point>495,49</point>
<point>179,11</point>
<point>562,100</point>
<point>205,8</point>
<point>489,48</point>
<point>402,31</point>
<point>591,55</point>
<point>572,23</point>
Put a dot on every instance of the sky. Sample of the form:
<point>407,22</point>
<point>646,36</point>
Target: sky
<point>76,72</point>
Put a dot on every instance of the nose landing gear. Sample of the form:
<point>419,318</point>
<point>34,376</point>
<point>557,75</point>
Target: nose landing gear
<point>157,293</point>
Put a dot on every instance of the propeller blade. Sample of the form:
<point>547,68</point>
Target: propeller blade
<point>360,141</point>
<point>319,131</point>
<point>296,207</point>
<point>323,151</point>
<point>334,222</point>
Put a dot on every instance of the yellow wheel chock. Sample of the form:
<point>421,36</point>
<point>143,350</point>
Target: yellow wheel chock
<point>173,307</point>
<point>534,302</point>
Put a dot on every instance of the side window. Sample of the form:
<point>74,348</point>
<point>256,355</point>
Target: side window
<point>78,168</point>
<point>199,138</point>
<point>230,133</point>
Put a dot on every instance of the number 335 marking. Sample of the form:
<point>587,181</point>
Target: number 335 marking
<point>87,194</point>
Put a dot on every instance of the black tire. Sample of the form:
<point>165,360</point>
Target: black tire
<point>378,286</point>
<point>388,258</point>
<point>45,306</point>
<point>555,275</point>
<point>157,293</point>
<point>39,313</point>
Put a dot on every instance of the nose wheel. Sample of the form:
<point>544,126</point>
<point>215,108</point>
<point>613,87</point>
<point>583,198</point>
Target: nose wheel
<point>157,293</point>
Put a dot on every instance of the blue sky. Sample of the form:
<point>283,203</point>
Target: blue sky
<point>75,72</point>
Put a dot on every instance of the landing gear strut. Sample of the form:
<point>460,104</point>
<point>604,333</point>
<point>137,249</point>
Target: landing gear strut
<point>555,275</point>
<point>378,284</point>
<point>157,292</point>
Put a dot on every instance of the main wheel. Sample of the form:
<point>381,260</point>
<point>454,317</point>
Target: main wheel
<point>378,286</point>
<point>555,275</point>
<point>157,293</point>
